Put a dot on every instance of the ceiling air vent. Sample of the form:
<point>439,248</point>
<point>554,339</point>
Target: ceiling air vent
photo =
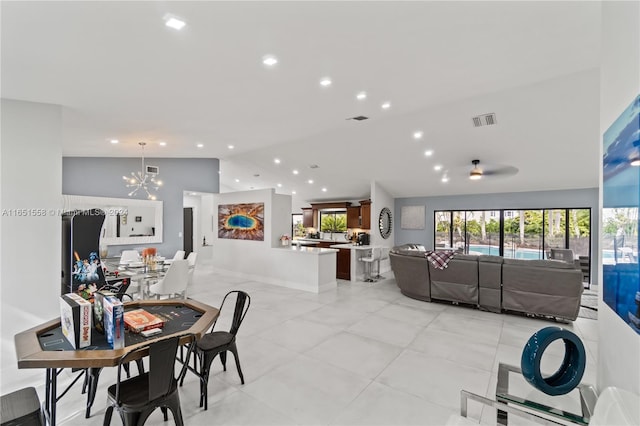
<point>485,120</point>
<point>359,118</point>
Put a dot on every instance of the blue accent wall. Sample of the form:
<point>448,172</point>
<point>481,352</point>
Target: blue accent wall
<point>573,198</point>
<point>102,177</point>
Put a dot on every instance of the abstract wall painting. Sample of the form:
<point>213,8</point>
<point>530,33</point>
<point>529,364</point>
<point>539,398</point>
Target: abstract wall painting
<point>241,221</point>
<point>412,217</point>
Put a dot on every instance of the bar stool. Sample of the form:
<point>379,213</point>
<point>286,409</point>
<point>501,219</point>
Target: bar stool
<point>373,256</point>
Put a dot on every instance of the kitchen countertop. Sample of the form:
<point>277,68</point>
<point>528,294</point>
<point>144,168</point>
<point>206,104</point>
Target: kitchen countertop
<point>325,240</point>
<point>308,250</point>
<point>350,246</point>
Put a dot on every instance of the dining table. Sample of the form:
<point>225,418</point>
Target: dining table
<point>145,273</point>
<point>45,346</point>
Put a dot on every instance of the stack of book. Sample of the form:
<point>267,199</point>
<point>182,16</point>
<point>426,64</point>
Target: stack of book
<point>139,320</point>
<point>107,306</point>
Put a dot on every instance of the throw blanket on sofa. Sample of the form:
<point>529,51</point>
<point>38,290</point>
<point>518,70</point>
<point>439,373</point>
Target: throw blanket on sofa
<point>440,259</point>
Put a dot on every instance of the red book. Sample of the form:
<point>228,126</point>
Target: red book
<point>139,320</point>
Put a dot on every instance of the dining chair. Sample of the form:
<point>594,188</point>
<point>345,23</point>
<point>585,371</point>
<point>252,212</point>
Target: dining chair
<point>217,343</point>
<point>178,256</point>
<point>136,398</point>
<point>192,266</point>
<point>373,256</point>
<point>129,256</point>
<point>174,283</point>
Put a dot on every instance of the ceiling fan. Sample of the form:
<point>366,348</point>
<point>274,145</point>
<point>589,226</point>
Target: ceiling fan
<point>479,172</point>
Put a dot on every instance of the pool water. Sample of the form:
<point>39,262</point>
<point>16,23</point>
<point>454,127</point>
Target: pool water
<point>521,253</point>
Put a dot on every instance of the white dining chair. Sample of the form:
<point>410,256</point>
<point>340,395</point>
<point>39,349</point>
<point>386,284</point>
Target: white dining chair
<point>178,256</point>
<point>174,282</point>
<point>191,259</point>
<point>129,256</point>
<point>372,256</point>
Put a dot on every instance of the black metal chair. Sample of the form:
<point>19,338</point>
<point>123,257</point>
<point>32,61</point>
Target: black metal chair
<point>136,398</point>
<point>218,342</point>
<point>92,375</point>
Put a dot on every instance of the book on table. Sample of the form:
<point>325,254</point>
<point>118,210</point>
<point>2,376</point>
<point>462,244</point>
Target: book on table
<point>139,320</point>
<point>75,320</point>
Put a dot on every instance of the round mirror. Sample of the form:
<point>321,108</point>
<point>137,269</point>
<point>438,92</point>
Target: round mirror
<point>385,223</point>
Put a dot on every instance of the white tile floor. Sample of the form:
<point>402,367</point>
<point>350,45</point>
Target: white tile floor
<point>362,354</point>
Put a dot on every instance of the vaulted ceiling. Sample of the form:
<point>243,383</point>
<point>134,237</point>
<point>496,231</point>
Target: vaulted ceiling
<point>122,74</point>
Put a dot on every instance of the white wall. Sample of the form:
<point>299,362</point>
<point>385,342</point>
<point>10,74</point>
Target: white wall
<point>267,260</point>
<point>619,345</point>
<point>380,198</point>
<point>30,254</point>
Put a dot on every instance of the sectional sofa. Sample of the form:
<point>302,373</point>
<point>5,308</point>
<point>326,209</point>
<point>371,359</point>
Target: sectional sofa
<point>546,288</point>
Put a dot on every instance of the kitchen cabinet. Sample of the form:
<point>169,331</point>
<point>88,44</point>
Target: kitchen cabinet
<point>353,217</point>
<point>365,213</point>
<point>343,264</point>
<point>307,217</point>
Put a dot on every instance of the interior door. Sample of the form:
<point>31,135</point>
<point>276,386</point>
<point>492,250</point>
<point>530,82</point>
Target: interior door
<point>187,228</point>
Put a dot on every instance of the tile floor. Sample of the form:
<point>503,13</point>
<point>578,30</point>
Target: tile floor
<point>362,354</point>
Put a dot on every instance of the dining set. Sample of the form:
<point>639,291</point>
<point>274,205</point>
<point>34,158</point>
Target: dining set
<point>151,275</point>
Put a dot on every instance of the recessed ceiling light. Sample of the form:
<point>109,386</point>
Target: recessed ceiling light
<point>279,185</point>
<point>635,162</point>
<point>361,96</point>
<point>386,105</point>
<point>200,145</point>
<point>219,172</point>
<point>310,181</point>
<point>193,193</point>
<point>276,160</point>
<point>269,60</point>
<point>325,82</point>
<point>428,153</point>
<point>238,180</point>
<point>295,172</point>
<point>163,144</point>
<point>230,146</point>
<point>418,134</point>
<point>174,22</point>
<point>324,189</point>
<point>437,167</point>
<point>294,192</point>
<point>114,141</point>
<point>444,179</point>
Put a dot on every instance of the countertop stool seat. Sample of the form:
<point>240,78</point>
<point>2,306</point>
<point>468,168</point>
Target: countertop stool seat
<point>21,408</point>
<point>374,256</point>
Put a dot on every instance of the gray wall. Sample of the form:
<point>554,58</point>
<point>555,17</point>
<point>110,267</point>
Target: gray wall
<point>574,198</point>
<point>102,177</point>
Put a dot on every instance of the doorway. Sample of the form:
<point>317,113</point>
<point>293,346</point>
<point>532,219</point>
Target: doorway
<point>188,230</point>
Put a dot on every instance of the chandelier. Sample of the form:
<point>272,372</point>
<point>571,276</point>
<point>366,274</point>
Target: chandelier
<point>144,180</point>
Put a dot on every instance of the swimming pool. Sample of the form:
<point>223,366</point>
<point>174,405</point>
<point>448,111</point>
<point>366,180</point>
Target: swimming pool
<point>521,253</point>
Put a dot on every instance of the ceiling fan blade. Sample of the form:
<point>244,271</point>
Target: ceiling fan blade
<point>501,171</point>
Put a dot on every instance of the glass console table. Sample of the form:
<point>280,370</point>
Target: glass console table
<point>586,394</point>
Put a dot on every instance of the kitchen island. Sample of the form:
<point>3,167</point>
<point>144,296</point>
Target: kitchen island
<point>307,268</point>
<point>356,268</point>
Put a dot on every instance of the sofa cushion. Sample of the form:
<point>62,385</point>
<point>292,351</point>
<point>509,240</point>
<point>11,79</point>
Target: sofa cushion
<point>409,252</point>
<point>555,264</point>
<point>490,258</point>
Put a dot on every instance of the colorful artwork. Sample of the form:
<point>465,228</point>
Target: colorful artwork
<point>620,222</point>
<point>241,221</point>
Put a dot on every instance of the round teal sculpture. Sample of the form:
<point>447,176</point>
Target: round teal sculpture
<point>571,370</point>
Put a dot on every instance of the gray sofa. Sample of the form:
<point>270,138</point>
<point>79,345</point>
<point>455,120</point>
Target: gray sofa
<point>539,287</point>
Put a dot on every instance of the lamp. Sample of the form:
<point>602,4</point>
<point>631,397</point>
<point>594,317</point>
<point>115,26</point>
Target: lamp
<point>476,172</point>
<point>144,180</point>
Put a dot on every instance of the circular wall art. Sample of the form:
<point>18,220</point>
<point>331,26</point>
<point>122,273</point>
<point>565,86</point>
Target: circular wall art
<point>385,224</point>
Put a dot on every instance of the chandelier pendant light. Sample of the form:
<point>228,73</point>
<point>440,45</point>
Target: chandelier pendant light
<point>144,180</point>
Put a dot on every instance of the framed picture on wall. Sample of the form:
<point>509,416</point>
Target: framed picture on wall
<point>241,221</point>
<point>412,217</point>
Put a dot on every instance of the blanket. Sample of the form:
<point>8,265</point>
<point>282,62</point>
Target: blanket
<point>440,259</point>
